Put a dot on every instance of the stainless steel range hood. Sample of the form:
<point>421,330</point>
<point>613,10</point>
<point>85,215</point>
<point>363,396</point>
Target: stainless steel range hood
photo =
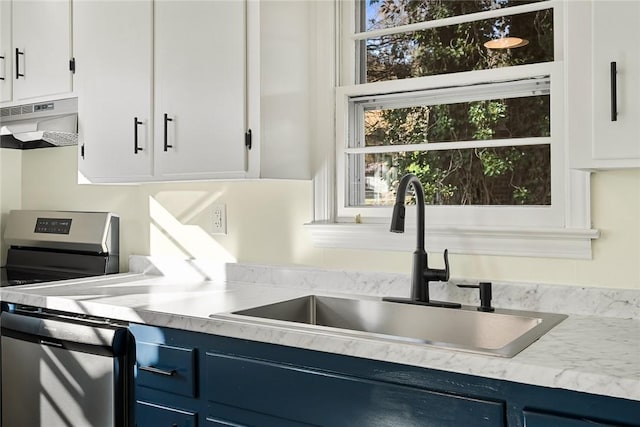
<point>40,125</point>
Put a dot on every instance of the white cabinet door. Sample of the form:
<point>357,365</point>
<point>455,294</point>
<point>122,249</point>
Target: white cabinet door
<point>599,33</point>
<point>200,84</point>
<point>42,48</point>
<point>5,51</point>
<point>113,51</point>
<point>615,39</point>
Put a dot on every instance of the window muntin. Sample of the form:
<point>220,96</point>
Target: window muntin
<point>457,48</point>
<point>392,13</point>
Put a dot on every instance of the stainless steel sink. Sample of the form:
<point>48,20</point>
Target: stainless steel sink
<point>503,333</point>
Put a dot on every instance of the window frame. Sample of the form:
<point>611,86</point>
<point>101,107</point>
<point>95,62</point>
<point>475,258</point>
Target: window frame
<point>521,216</point>
<point>564,230</point>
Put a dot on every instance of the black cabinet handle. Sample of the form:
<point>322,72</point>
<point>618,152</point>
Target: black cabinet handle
<point>167,119</point>
<point>18,74</point>
<point>2,57</point>
<point>136,122</point>
<point>614,92</point>
<point>154,370</point>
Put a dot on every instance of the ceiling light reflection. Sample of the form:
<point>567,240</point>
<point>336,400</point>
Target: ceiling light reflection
<point>506,43</point>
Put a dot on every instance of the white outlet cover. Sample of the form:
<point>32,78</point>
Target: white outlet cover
<point>218,219</point>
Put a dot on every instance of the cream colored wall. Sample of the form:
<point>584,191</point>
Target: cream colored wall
<point>265,225</point>
<point>264,218</point>
<point>10,189</point>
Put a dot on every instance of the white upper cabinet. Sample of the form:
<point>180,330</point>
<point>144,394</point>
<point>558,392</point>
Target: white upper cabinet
<point>169,90</point>
<point>200,89</point>
<point>162,90</point>
<point>604,84</point>
<point>616,111</point>
<point>40,48</point>
<point>113,51</point>
<point>289,92</point>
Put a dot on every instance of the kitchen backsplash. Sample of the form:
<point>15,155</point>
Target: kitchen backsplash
<point>606,302</point>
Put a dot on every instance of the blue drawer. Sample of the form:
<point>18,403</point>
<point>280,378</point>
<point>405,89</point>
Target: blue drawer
<point>166,368</point>
<point>152,415</point>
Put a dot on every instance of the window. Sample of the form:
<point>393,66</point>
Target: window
<point>423,90</point>
<point>468,147</point>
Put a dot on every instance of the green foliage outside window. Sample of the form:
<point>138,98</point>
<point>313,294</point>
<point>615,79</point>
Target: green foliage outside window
<point>510,175</point>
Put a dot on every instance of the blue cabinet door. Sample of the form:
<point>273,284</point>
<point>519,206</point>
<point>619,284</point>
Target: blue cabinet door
<point>310,397</point>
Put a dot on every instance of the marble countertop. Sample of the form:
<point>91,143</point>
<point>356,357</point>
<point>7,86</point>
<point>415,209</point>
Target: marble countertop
<point>593,354</point>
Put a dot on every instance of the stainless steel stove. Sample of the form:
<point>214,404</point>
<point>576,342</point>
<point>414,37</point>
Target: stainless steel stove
<point>57,245</point>
<point>89,369</point>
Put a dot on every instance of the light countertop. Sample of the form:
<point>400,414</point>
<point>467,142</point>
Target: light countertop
<point>592,354</point>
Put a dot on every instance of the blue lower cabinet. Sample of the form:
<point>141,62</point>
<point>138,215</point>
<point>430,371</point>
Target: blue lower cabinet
<point>153,415</point>
<point>309,397</point>
<point>233,382</point>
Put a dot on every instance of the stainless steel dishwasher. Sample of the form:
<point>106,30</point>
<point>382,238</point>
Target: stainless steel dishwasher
<point>64,371</point>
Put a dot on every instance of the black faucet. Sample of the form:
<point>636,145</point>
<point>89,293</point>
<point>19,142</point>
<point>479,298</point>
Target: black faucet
<point>421,274</point>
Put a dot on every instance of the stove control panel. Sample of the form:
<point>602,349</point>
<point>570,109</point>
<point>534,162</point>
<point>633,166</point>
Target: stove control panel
<point>96,232</point>
<point>53,225</point>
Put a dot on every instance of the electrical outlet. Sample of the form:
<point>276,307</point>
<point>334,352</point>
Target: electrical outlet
<point>219,217</point>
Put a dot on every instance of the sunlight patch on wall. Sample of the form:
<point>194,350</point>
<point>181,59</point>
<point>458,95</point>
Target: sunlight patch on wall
<point>178,227</point>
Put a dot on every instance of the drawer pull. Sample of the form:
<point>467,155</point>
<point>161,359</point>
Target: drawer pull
<point>154,370</point>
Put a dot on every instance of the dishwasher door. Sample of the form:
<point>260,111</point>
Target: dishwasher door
<point>58,371</point>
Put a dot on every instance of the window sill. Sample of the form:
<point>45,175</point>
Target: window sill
<point>570,243</point>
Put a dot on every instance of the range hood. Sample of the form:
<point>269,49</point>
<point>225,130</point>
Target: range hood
<point>40,125</point>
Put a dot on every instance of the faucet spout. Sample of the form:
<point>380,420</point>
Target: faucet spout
<point>421,273</point>
<point>397,218</point>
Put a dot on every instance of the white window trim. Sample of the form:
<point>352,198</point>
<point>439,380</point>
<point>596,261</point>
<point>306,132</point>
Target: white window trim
<point>569,238</point>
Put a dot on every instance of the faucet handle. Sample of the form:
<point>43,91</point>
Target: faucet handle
<point>441,275</point>
<point>446,265</point>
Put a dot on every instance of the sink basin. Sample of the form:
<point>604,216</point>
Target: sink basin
<point>502,333</point>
